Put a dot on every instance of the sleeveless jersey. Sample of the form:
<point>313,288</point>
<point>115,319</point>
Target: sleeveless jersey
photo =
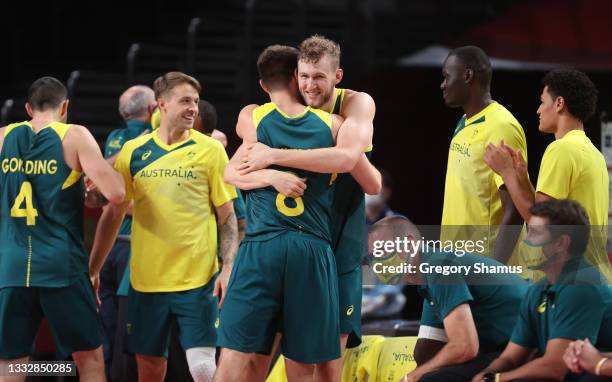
<point>270,213</point>
<point>41,210</point>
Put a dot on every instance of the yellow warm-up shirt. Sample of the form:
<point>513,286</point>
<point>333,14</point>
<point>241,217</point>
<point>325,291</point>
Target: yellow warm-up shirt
<point>573,168</point>
<point>472,205</point>
<point>174,189</point>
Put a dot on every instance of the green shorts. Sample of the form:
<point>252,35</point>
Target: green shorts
<point>71,311</point>
<point>350,292</point>
<point>286,284</point>
<point>150,316</point>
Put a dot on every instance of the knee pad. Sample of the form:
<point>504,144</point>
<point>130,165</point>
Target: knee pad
<point>201,363</point>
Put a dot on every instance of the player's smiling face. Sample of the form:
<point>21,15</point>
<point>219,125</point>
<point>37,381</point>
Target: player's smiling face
<point>453,86</point>
<point>181,106</point>
<point>316,81</point>
<point>547,112</point>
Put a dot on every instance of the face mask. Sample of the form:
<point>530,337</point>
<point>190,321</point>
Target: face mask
<point>393,260</point>
<point>538,245</point>
<point>545,261</point>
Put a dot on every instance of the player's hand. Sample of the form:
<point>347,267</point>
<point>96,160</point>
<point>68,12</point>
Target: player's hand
<point>588,356</point>
<point>93,196</point>
<point>287,183</point>
<point>412,377</point>
<point>570,356</point>
<point>95,283</point>
<point>498,159</point>
<point>257,157</point>
<point>220,288</point>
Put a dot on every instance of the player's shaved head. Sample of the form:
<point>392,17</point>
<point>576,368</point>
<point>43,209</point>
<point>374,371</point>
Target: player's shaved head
<point>315,47</point>
<point>276,66</point>
<point>475,59</point>
<point>46,93</point>
<point>395,226</point>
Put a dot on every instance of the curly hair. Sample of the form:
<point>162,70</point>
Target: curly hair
<point>576,88</point>
<point>316,47</point>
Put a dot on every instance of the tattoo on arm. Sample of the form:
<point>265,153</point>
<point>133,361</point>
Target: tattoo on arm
<point>228,236</point>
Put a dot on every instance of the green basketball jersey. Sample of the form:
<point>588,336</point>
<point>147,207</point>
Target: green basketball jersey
<point>270,213</point>
<point>348,213</point>
<point>41,209</point>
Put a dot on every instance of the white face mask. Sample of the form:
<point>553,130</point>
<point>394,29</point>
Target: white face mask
<point>374,201</point>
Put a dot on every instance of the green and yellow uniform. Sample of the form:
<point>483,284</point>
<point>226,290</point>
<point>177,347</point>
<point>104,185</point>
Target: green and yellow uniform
<point>174,236</point>
<point>472,205</point>
<point>43,264</point>
<point>577,306</point>
<point>572,168</point>
<point>348,243</point>
<point>285,264</point>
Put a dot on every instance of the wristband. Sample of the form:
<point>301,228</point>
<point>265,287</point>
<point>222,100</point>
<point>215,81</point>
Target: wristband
<point>600,364</point>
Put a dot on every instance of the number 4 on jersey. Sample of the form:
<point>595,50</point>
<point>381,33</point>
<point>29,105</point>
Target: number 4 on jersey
<point>29,212</point>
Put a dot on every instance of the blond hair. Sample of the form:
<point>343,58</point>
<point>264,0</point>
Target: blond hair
<point>316,47</point>
<point>170,80</point>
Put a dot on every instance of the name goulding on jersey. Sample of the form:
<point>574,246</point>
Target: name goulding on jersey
<point>29,167</point>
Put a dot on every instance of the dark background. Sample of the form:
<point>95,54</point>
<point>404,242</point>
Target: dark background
<point>413,128</point>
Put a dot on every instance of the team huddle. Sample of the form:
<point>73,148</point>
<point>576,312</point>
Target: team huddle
<point>294,281</point>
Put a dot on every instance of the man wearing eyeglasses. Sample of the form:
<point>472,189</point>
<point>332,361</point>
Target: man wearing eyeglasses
<point>572,302</point>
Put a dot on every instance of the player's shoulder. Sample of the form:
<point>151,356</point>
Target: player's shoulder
<point>499,114</point>
<point>355,96</point>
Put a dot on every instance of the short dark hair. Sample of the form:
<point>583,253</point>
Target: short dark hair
<point>170,80</point>
<point>46,93</point>
<point>208,117</point>
<point>276,65</point>
<point>474,58</point>
<point>566,217</point>
<point>576,88</point>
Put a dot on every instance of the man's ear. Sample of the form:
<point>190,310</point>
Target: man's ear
<point>468,75</point>
<point>28,108</point>
<point>564,242</point>
<point>559,104</point>
<point>339,75</point>
<point>264,87</point>
<point>64,108</point>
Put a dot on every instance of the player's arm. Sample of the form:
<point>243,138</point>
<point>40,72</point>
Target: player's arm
<point>368,176</point>
<point>462,345</point>
<point>285,183</point>
<point>228,245</point>
<point>354,137</point>
<point>549,367</point>
<point>512,357</point>
<point>510,227</point>
<point>108,181</point>
<point>511,166</point>
<point>106,233</point>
